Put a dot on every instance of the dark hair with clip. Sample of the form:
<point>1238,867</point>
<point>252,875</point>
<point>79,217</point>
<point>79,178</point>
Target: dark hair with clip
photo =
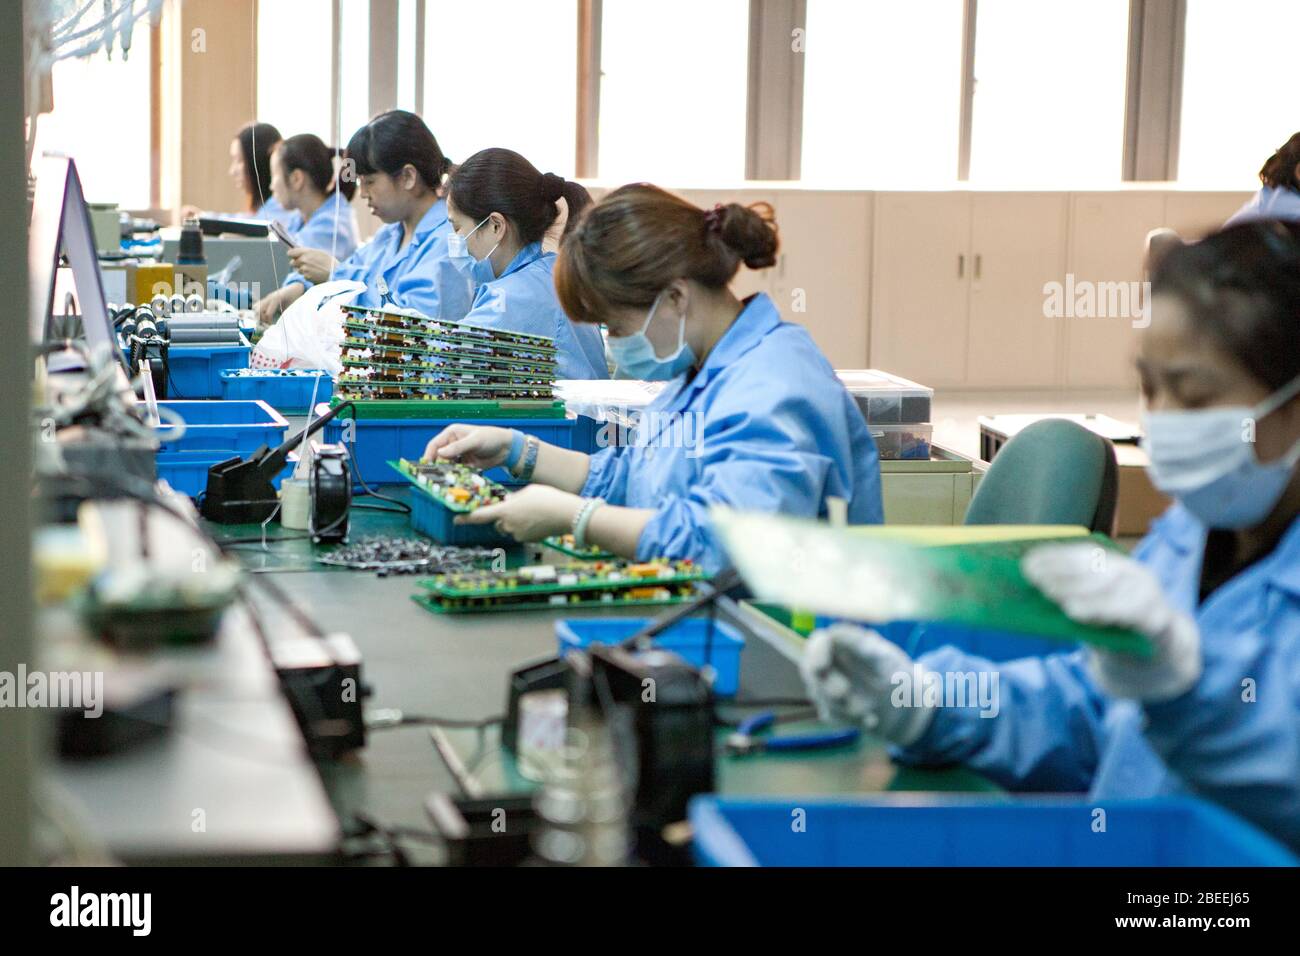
<point>500,180</point>
<point>308,152</point>
<point>256,140</point>
<point>1241,286</point>
<point>396,139</point>
<point>1280,169</point>
<point>637,240</point>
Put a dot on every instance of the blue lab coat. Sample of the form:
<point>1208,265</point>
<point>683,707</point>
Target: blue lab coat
<point>331,228</point>
<point>418,276</point>
<point>764,425</point>
<point>523,299</point>
<point>271,210</point>
<point>1057,731</point>
<point>1271,202</point>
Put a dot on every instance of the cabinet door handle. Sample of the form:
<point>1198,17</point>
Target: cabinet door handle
<point>979,262</point>
<point>961,265</point>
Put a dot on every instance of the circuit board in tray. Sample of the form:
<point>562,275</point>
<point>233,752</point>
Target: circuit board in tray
<point>453,485</point>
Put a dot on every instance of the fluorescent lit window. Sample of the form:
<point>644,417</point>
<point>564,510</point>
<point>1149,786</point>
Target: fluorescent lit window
<point>354,67</point>
<point>1049,92</point>
<point>882,92</point>
<point>503,73</point>
<point>101,119</point>
<point>1239,83</point>
<point>407,40</point>
<point>672,93</point>
<point>293,89</point>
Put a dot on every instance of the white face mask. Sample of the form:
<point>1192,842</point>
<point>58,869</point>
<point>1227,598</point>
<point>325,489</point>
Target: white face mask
<point>1206,459</point>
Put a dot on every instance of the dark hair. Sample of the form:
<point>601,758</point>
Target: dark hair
<point>395,139</point>
<point>308,152</point>
<point>637,240</point>
<point>1280,170</point>
<point>1241,286</point>
<point>256,140</point>
<point>500,180</point>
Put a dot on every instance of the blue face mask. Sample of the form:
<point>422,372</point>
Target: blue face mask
<point>477,271</point>
<point>1206,459</point>
<point>634,355</point>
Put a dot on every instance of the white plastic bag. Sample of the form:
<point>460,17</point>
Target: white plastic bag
<point>309,333</point>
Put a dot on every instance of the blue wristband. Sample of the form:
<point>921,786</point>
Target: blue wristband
<point>516,448</point>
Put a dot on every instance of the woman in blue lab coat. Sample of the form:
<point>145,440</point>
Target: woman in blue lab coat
<point>303,181</point>
<point>1215,585</point>
<point>752,417</point>
<point>400,170</point>
<point>250,168</point>
<point>501,207</point>
<point>1279,197</point>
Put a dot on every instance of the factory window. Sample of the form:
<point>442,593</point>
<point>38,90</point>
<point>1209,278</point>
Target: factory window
<point>111,144</point>
<point>672,92</point>
<point>882,92</point>
<point>407,41</point>
<point>1049,92</point>
<point>1238,86</point>
<point>293,91</point>
<point>503,73</point>
<point>354,67</point>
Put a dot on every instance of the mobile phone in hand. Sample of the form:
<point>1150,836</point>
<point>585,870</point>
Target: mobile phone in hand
<point>282,234</point>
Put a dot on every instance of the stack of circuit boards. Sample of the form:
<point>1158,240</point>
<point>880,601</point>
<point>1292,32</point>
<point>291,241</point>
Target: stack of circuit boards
<point>393,355</point>
<point>606,583</point>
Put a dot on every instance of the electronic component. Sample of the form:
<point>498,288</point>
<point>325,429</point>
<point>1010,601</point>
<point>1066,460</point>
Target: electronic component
<point>455,486</point>
<point>565,544</point>
<point>577,583</point>
<point>406,556</point>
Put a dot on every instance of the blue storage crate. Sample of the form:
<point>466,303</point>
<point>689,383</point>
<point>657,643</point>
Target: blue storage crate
<point>431,518</point>
<point>286,390</point>
<point>590,435</point>
<point>187,471</point>
<point>688,638</point>
<point>194,371</point>
<point>381,440</point>
<point>233,428</point>
<point>1167,831</point>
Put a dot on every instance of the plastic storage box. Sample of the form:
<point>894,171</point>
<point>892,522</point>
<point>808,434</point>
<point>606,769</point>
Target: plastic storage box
<point>214,432</point>
<point>377,441</point>
<point>689,638</point>
<point>286,390</point>
<point>905,442</point>
<point>194,371</point>
<point>187,471</point>
<point>1172,831</point>
<point>432,518</point>
<point>887,399</point>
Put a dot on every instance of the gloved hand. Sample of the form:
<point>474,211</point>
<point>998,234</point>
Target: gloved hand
<point>1096,586</point>
<point>849,672</point>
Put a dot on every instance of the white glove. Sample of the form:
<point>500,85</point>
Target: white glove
<point>850,675</point>
<point>1094,585</point>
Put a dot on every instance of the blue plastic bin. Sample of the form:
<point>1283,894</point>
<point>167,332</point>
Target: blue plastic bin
<point>1171,831</point>
<point>591,436</point>
<point>195,370</point>
<point>381,440</point>
<point>285,390</point>
<point>233,428</point>
<point>187,471</point>
<point>689,638</point>
<point>431,518</point>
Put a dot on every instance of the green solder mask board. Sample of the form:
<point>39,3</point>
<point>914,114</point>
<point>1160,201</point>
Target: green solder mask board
<point>379,323</point>
<point>456,487</point>
<point>566,545</point>
<point>615,583</point>
<point>877,580</point>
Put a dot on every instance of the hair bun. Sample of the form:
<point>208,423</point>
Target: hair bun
<point>552,187</point>
<point>749,231</point>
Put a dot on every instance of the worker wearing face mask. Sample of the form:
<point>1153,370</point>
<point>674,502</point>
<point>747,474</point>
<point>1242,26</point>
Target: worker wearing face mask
<point>752,417</point>
<point>500,207</point>
<point>1215,586</point>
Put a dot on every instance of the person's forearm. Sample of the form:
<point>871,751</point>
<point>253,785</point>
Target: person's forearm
<point>561,468</point>
<point>618,530</point>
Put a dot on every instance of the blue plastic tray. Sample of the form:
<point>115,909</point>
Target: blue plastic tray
<point>1173,831</point>
<point>689,638</point>
<point>195,370</point>
<point>187,471</point>
<point>381,440</point>
<point>235,428</point>
<point>285,390</point>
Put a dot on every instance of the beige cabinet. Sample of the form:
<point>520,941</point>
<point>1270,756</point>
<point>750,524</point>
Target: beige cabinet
<point>1193,214</point>
<point>920,289</point>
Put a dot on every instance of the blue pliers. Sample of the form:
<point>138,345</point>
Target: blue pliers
<point>746,740</point>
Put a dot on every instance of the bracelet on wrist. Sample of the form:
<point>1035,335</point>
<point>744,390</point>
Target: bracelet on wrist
<point>516,450</point>
<point>582,519</point>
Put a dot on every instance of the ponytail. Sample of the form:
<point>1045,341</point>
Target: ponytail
<point>500,180</point>
<point>309,153</point>
<point>1280,170</point>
